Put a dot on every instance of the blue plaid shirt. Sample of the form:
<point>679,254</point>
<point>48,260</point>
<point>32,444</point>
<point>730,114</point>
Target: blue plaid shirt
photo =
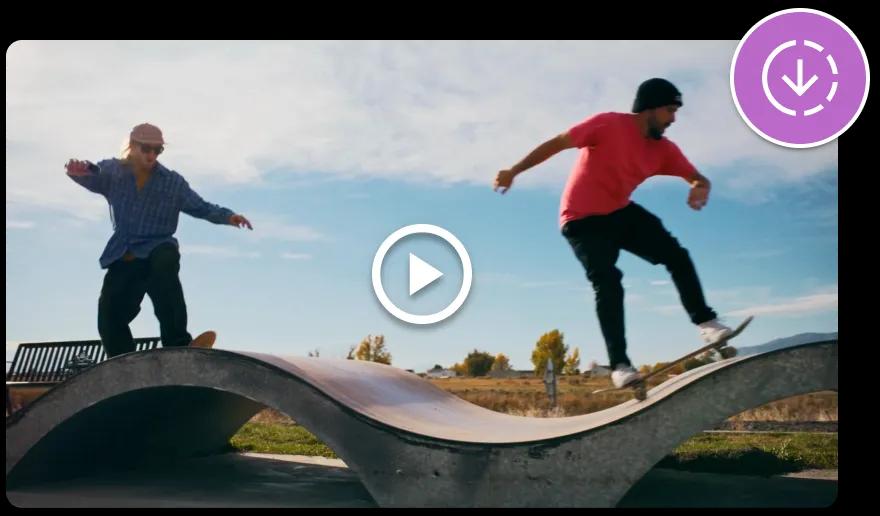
<point>144,219</point>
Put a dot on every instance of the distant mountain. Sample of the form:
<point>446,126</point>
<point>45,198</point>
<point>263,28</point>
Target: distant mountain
<point>794,340</point>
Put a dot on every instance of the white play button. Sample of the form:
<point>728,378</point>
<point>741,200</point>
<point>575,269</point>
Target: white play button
<point>421,274</point>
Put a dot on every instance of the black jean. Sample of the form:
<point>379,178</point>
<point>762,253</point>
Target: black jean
<point>597,242</point>
<point>125,284</point>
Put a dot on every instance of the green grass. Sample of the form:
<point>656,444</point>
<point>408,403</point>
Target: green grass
<point>767,454</point>
<point>753,454</point>
<point>279,438</point>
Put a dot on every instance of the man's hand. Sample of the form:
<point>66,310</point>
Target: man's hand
<point>504,180</point>
<point>240,221</point>
<point>698,196</point>
<point>77,168</point>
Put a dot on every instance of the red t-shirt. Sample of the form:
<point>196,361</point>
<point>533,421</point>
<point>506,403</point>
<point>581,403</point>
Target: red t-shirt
<point>615,158</point>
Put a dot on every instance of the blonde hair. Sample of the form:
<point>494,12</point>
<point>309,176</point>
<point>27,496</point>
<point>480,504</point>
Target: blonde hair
<point>125,150</point>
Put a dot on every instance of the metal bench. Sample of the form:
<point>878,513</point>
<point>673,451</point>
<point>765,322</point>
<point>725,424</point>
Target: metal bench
<point>39,366</point>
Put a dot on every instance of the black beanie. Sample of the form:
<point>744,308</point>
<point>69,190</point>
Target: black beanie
<point>654,93</point>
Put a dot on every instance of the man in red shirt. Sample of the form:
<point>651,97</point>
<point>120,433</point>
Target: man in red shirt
<point>618,152</point>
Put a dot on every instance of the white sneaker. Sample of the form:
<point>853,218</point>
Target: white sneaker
<point>624,375</point>
<point>713,331</point>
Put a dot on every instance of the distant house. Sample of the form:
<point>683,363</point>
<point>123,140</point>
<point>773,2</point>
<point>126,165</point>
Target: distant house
<point>597,371</point>
<point>439,372</point>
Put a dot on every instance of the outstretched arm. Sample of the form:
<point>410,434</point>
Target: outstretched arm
<point>88,175</point>
<point>541,153</point>
<point>195,206</point>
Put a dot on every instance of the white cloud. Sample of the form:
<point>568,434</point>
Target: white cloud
<point>760,300</point>
<point>271,227</point>
<point>287,232</point>
<point>296,256</point>
<point>225,252</point>
<point>745,294</point>
<point>661,283</point>
<point>813,303</point>
<point>19,224</point>
<point>635,298</point>
<point>668,310</point>
<point>440,111</point>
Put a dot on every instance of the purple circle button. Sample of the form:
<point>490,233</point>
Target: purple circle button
<point>799,78</point>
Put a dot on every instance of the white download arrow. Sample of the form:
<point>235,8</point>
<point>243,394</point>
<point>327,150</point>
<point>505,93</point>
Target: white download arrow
<point>420,274</point>
<point>800,88</point>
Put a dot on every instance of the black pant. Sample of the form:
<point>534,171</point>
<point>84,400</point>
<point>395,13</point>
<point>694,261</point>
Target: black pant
<point>124,287</point>
<point>597,241</point>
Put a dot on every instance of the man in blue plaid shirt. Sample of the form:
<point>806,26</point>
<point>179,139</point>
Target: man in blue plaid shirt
<point>142,256</point>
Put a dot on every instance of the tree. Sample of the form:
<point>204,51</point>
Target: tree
<point>372,349</point>
<point>728,352</point>
<point>351,351</point>
<point>696,362</point>
<point>678,369</point>
<point>501,363</point>
<point>478,363</point>
<point>549,347</point>
<point>315,353</point>
<point>702,359</point>
<point>459,369</point>
<point>573,363</point>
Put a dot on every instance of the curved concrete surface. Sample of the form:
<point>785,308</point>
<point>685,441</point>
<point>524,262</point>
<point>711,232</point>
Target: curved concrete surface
<point>411,443</point>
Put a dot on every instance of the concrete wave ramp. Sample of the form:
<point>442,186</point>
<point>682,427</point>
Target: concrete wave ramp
<point>411,443</point>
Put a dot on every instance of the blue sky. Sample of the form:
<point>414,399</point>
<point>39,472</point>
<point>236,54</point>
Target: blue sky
<point>328,147</point>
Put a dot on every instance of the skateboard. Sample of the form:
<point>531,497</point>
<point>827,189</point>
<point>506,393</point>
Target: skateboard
<point>204,340</point>
<point>639,387</point>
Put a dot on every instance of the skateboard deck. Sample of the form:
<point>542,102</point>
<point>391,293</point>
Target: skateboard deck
<point>205,340</point>
<point>639,387</point>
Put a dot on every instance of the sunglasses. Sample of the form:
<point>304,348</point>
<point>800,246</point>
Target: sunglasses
<point>146,149</point>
